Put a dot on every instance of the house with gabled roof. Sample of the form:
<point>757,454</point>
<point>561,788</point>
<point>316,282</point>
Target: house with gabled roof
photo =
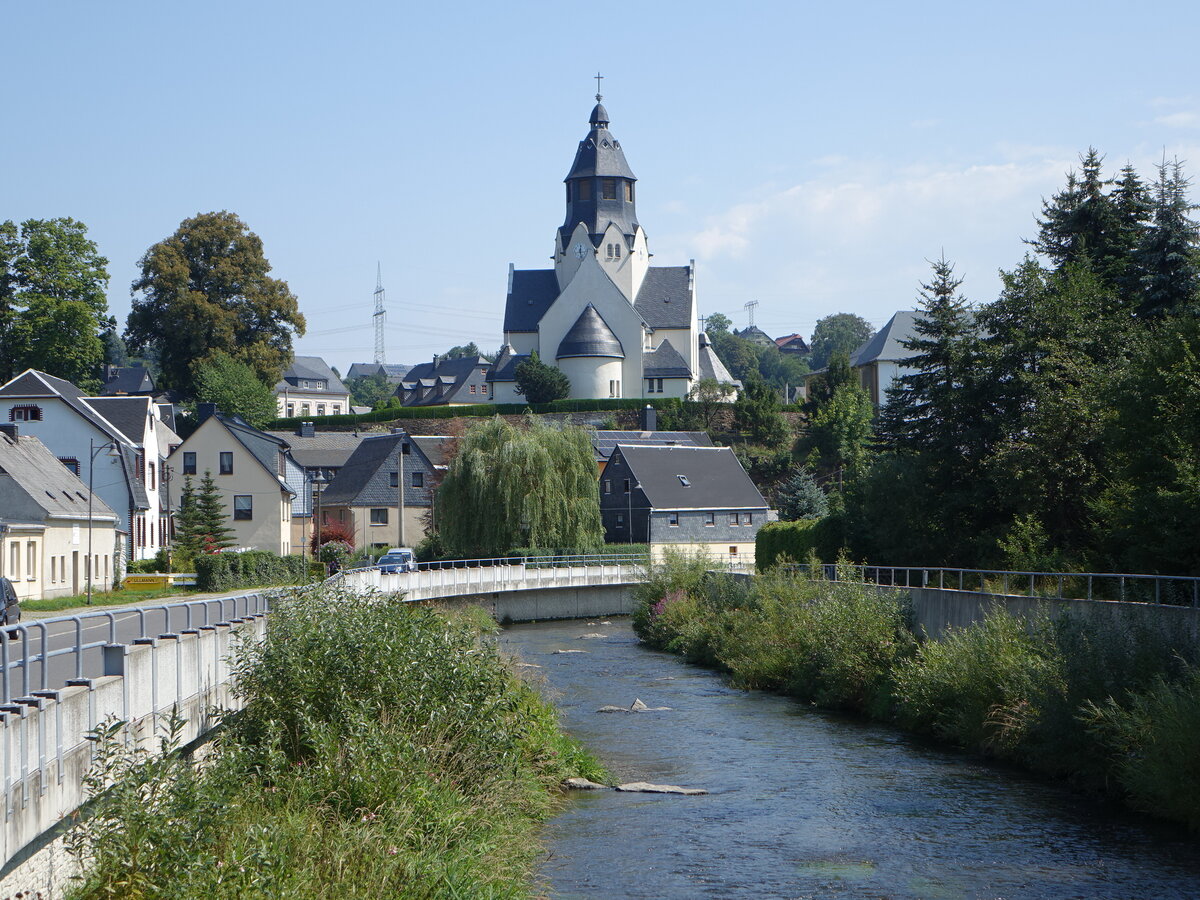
<point>120,444</point>
<point>125,381</point>
<point>882,358</point>
<point>46,545</point>
<point>261,486</point>
<point>792,344</point>
<point>310,388</point>
<point>692,499</point>
<point>367,495</point>
<point>446,382</point>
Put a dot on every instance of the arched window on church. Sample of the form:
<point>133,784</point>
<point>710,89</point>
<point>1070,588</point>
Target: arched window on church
<point>616,251</point>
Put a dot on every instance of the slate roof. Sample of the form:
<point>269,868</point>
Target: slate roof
<point>711,365</point>
<point>885,344</point>
<point>600,153</point>
<point>365,478</point>
<point>665,362</point>
<point>430,384</point>
<point>393,372</point>
<point>32,383</point>
<point>796,342</point>
<point>166,413</point>
<point>436,448</point>
<point>505,366</point>
<point>665,298</point>
<point>311,368</point>
<point>716,480</point>
<point>531,294</point>
<point>48,484</point>
<point>755,335</point>
<point>127,413</point>
<point>127,380</point>
<point>604,442</point>
<point>324,450</point>
<point>590,336</point>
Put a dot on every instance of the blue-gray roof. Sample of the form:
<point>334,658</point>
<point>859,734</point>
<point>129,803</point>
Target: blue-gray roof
<point>885,344</point>
<point>590,336</point>
<point>311,368</point>
<point>665,362</point>
<point>127,380</point>
<point>365,479</point>
<point>505,367</point>
<point>665,298</point>
<point>446,381</point>
<point>712,477</point>
<point>533,291</point>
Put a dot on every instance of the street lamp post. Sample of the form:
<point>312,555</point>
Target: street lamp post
<point>92,451</point>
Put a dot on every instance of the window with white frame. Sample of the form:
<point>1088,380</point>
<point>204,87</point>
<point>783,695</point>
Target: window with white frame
<point>379,516</point>
<point>673,519</point>
<point>243,507</point>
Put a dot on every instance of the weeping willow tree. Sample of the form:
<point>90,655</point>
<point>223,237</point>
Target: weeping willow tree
<point>528,486</point>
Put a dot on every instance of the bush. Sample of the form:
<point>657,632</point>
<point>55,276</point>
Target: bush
<point>333,531</point>
<point>252,568</point>
<point>777,542</point>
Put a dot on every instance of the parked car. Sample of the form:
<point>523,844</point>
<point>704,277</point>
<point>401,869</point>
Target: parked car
<point>12,607</point>
<point>398,559</point>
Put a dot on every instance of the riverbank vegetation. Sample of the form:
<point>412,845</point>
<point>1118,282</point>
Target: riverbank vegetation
<point>1110,705</point>
<point>383,750</point>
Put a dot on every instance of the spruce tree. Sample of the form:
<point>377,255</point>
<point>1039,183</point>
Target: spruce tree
<point>189,533</point>
<point>211,515</point>
<point>1166,261</point>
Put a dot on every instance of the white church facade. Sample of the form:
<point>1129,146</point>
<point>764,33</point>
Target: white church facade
<point>615,325</point>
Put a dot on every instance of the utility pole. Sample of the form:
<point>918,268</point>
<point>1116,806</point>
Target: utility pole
<point>400,486</point>
<point>379,315</point>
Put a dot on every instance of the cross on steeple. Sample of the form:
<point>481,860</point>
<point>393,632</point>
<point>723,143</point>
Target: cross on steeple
<point>598,77</point>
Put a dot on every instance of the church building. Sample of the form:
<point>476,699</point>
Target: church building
<point>614,324</point>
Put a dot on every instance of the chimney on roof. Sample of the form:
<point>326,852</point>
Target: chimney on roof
<point>204,410</point>
<point>306,429</point>
<point>436,358</point>
<point>9,430</point>
<point>649,418</point>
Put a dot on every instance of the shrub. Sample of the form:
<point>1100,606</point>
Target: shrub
<point>333,531</point>
<point>780,541</point>
<point>251,568</point>
<point>667,583</point>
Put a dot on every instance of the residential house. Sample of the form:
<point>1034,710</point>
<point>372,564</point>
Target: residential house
<point>694,499</point>
<point>792,344</point>
<point>755,335</point>
<point>318,453</point>
<point>46,545</point>
<point>605,441</point>
<point>882,358</point>
<point>392,372</point>
<point>127,381</point>
<point>365,496</point>
<point>260,484</point>
<point>122,457</point>
<point>310,388</point>
<point>446,382</point>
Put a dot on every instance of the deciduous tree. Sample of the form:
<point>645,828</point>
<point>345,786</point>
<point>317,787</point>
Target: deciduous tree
<point>206,289</point>
<point>234,387</point>
<point>840,332</point>
<point>540,383</point>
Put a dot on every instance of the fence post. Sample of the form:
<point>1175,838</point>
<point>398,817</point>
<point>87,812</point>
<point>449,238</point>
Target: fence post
<point>1089,586</point>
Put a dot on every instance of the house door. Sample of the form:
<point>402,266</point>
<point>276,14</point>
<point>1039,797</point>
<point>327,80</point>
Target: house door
<point>74,571</point>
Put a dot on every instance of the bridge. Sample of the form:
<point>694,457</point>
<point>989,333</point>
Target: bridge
<point>60,678</point>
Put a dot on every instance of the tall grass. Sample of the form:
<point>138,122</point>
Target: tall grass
<point>1111,704</point>
<point>383,751</point>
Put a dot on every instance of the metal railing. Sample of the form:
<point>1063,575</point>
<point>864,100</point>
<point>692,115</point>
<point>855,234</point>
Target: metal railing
<point>29,651</point>
<point>1164,590</point>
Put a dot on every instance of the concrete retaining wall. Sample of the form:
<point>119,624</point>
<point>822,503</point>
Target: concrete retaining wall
<point>44,750</point>
<point>937,609</point>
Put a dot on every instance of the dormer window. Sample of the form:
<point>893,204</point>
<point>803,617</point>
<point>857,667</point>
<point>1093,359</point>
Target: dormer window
<point>28,413</point>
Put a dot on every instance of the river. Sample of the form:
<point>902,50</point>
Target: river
<point>807,804</point>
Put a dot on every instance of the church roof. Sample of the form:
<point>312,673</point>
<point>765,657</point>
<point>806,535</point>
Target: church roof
<point>886,343</point>
<point>505,366</point>
<point>665,362</point>
<point>711,365</point>
<point>665,297</point>
<point>532,293</point>
<point>590,336</point>
<point>600,153</point>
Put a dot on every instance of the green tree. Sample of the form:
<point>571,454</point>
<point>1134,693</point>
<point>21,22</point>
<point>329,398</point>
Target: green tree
<point>205,289</point>
<point>369,390</point>
<point>53,306</point>
<point>717,323</point>
<point>707,401</point>
<point>822,387</point>
<point>756,413</point>
<point>1166,262</point>
<point>532,485</point>
<point>211,517</point>
<point>189,529</point>
<point>464,351</point>
<point>841,432</point>
<point>840,332</point>
<point>540,383</point>
<point>800,497</point>
<point>737,354</point>
<point>234,387</point>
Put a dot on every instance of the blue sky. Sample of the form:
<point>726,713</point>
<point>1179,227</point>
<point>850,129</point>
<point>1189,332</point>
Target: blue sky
<point>808,156</point>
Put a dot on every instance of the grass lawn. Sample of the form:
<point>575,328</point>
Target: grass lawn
<point>101,598</point>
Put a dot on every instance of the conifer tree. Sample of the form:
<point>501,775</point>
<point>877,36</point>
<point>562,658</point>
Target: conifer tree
<point>1166,261</point>
<point>211,516</point>
<point>189,533</point>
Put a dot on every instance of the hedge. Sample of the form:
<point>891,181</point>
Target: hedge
<point>252,568</point>
<point>602,550</point>
<point>794,540</point>
<point>477,409</point>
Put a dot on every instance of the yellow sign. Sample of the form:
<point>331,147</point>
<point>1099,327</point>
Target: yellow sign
<point>145,582</point>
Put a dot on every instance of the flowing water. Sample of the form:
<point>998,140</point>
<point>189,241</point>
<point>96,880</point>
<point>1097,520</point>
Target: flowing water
<point>806,804</point>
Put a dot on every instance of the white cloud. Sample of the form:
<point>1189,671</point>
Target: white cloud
<point>1179,120</point>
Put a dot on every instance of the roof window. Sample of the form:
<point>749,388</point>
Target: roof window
<point>683,479</point>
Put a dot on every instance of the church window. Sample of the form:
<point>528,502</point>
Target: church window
<point>629,191</point>
<point>584,190</point>
<point>608,187</point>
<point>614,388</point>
<point>616,251</point>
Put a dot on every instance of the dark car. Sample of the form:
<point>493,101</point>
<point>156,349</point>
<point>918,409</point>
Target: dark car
<point>396,560</point>
<point>12,606</point>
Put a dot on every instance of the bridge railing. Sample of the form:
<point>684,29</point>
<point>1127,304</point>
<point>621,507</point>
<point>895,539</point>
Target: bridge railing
<point>28,651</point>
<point>1165,590</point>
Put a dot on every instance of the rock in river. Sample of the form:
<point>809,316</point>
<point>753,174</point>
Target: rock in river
<point>644,787</point>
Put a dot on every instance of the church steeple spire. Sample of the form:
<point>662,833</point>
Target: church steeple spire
<point>600,185</point>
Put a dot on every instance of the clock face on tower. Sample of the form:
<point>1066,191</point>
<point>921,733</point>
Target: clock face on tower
<point>579,251</point>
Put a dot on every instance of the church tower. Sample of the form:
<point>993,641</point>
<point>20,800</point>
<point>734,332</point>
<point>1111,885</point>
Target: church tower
<point>601,217</point>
